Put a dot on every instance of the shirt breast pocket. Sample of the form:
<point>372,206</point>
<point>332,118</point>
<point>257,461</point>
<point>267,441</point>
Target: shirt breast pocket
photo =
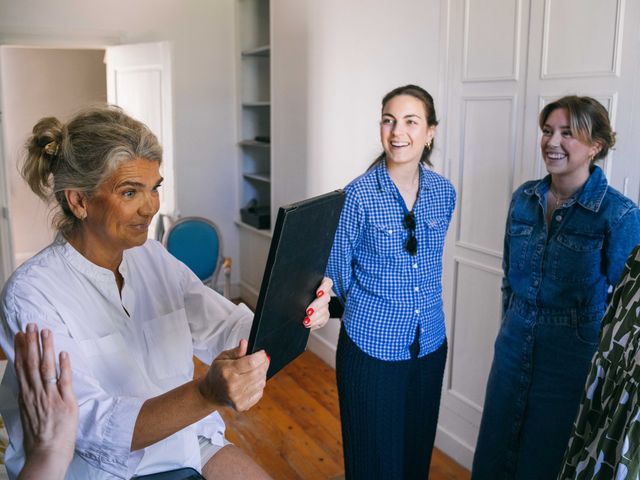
<point>386,240</point>
<point>436,230</point>
<point>519,235</point>
<point>577,257</point>
<point>112,365</point>
<point>169,345</point>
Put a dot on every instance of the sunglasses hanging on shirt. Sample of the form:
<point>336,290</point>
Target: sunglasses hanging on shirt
<point>409,222</point>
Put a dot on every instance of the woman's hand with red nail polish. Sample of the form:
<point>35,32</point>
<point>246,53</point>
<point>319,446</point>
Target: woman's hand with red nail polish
<point>318,310</point>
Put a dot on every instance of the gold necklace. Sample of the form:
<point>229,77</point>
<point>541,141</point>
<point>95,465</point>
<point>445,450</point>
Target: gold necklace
<point>558,199</point>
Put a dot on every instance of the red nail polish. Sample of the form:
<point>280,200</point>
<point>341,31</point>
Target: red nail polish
<point>320,293</point>
<point>306,321</point>
<point>310,311</point>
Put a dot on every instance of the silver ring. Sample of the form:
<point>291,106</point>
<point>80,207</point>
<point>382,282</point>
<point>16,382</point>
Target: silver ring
<point>51,380</point>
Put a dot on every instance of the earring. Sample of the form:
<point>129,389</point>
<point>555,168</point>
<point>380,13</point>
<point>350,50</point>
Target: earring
<point>428,145</point>
<point>82,216</point>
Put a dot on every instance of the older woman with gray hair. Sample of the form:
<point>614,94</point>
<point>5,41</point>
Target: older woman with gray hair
<point>130,315</point>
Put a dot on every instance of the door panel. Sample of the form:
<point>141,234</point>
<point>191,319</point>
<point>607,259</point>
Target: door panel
<point>485,173</point>
<point>507,60</point>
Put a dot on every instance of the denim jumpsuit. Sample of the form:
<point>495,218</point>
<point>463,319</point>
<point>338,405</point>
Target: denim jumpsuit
<point>557,279</point>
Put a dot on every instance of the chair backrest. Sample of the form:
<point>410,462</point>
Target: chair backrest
<point>197,243</point>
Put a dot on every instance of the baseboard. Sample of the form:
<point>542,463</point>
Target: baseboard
<point>323,349</point>
<point>248,294</point>
<point>234,289</point>
<point>454,447</point>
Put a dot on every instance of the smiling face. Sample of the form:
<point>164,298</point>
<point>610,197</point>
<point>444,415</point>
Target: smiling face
<point>119,211</point>
<point>564,155</point>
<point>404,130</point>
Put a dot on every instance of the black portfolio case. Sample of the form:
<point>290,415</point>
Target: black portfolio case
<point>300,247</point>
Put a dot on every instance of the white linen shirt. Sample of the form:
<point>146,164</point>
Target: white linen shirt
<point>123,350</point>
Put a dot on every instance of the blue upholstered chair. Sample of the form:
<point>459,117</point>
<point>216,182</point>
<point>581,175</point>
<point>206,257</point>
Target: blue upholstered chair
<point>197,243</point>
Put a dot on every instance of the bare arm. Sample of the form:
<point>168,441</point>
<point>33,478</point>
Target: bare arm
<point>234,379</point>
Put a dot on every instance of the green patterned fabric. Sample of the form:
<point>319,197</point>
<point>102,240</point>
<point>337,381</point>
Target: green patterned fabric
<point>605,440</point>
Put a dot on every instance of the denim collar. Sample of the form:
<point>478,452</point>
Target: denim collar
<point>590,195</point>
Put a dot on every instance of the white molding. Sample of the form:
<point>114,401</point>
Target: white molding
<point>448,380</point>
<point>478,266</point>
<point>322,348</point>
<point>41,37</point>
<point>469,403</point>
<point>454,446</point>
<point>6,239</point>
<point>465,100</point>
<point>616,60</point>
<point>517,33</point>
<point>248,294</point>
<point>476,248</point>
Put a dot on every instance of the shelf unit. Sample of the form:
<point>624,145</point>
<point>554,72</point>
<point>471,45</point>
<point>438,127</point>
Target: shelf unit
<point>255,103</point>
<point>254,138</point>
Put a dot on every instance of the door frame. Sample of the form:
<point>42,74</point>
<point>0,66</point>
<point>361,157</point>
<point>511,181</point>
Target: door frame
<point>50,39</point>
<point>6,246</point>
<point>31,39</point>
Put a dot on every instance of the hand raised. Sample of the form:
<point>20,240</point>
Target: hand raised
<point>235,378</point>
<point>48,407</point>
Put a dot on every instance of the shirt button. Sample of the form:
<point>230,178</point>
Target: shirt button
<point>415,265</point>
<point>417,311</point>
<point>416,289</point>
<point>558,218</point>
<point>390,232</point>
<point>535,283</point>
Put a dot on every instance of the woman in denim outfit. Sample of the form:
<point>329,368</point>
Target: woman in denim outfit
<point>566,241</point>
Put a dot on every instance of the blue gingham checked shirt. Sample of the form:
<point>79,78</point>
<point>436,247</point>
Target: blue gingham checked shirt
<point>386,292</point>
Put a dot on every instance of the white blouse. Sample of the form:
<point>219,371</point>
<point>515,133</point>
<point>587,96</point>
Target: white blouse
<point>123,350</point>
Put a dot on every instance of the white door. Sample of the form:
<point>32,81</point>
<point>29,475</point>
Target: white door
<point>139,81</point>
<point>507,58</point>
<point>6,252</point>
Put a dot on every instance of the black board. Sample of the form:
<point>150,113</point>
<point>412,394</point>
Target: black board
<point>300,248</point>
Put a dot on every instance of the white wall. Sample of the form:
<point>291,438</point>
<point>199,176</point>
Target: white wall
<point>333,61</point>
<point>48,79</point>
<point>201,33</point>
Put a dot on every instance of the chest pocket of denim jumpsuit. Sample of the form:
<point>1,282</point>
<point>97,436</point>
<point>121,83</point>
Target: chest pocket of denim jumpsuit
<point>576,257</point>
<point>519,237</point>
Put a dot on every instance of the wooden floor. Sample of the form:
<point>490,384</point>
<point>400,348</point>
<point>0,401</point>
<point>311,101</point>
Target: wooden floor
<point>294,431</point>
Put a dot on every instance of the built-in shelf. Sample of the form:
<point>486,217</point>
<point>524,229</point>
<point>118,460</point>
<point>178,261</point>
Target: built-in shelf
<point>258,177</point>
<point>264,233</point>
<point>254,156</point>
<point>254,143</point>
<point>262,51</point>
<point>259,104</point>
